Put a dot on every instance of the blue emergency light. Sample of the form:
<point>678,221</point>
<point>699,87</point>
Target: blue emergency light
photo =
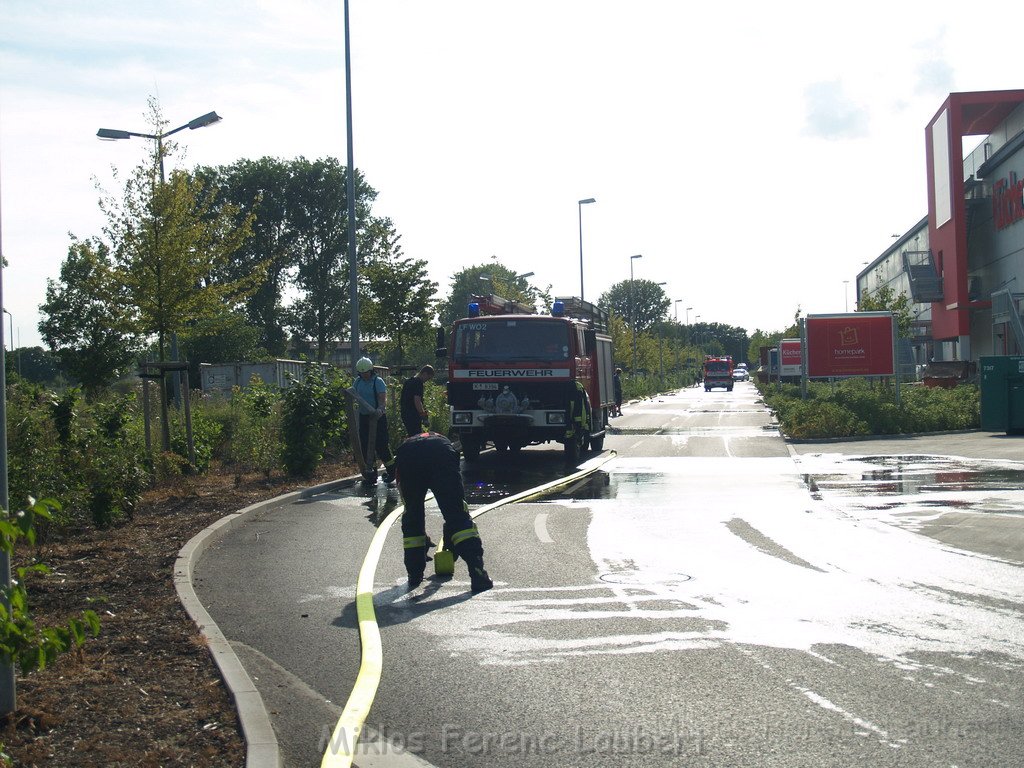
<point>558,309</point>
<point>474,309</point>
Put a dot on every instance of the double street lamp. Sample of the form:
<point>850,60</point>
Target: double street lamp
<point>579,208</point>
<point>111,134</point>
<point>632,314</point>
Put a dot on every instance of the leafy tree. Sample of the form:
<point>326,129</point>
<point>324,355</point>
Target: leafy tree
<point>644,299</point>
<point>261,188</point>
<point>885,299</point>
<point>168,244</point>
<point>494,278</point>
<point>318,196</point>
<point>35,364</point>
<point>222,338</point>
<point>86,323</point>
<point>400,293</point>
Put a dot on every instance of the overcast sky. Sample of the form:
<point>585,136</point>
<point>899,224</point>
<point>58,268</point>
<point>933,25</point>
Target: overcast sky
<point>756,154</point>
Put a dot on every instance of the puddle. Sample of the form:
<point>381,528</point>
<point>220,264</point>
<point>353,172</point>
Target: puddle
<point>915,483</point>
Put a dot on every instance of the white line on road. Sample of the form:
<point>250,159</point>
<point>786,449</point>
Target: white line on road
<point>540,527</point>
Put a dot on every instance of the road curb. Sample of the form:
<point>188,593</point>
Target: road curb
<point>261,747</point>
<point>868,438</point>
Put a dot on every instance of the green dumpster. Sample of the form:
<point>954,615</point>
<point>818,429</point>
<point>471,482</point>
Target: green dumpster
<point>1002,394</point>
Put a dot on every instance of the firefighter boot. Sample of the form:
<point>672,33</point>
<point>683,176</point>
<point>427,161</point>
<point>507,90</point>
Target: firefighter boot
<point>415,562</point>
<point>479,581</point>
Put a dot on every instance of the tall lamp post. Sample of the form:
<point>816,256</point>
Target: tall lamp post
<point>353,271</point>
<point>12,339</point>
<point>112,134</point>
<point>8,682</point>
<point>632,318</point>
<point>846,295</point>
<point>579,208</point>
<point>676,302</point>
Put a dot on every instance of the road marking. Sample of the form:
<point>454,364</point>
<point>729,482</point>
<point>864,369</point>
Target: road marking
<point>540,527</point>
<point>342,746</point>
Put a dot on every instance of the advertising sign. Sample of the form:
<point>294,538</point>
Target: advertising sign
<point>851,344</point>
<point>791,354</point>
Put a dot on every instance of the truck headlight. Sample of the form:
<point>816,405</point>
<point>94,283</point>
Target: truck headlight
<point>462,417</point>
<point>556,417</point>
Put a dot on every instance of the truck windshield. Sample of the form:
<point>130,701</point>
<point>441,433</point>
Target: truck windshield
<point>507,340</point>
<point>716,366</point>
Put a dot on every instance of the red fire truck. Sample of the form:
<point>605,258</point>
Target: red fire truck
<point>517,378</point>
<point>717,372</point>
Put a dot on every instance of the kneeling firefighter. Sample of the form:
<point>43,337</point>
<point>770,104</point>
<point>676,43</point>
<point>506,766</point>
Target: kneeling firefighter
<point>428,461</point>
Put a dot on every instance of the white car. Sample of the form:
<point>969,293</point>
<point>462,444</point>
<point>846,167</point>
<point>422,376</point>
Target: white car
<point>740,373</point>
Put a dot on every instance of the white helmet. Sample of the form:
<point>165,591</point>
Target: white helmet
<point>364,364</point>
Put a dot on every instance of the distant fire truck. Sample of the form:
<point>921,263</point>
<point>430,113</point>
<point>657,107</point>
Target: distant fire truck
<point>517,378</point>
<point>717,372</point>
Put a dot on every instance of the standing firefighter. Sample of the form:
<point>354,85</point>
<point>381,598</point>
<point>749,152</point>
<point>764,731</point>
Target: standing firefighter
<point>373,391</point>
<point>414,413</point>
<point>428,461</point>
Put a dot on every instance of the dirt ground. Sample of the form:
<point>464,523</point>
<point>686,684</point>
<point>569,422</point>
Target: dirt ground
<point>145,692</point>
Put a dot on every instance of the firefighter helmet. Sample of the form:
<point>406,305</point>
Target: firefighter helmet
<point>364,365</point>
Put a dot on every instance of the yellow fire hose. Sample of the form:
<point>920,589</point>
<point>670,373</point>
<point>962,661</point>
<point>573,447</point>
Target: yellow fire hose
<point>342,747</point>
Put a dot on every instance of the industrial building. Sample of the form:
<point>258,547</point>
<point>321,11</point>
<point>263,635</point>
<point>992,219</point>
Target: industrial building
<point>963,264</point>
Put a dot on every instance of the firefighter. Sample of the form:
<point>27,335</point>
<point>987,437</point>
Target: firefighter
<point>373,391</point>
<point>414,413</point>
<point>428,461</point>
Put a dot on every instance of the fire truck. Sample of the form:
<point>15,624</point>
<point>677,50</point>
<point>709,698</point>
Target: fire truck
<point>518,378</point>
<point>717,372</point>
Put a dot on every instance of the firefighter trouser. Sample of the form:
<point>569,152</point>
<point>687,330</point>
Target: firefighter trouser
<point>381,447</point>
<point>428,462</point>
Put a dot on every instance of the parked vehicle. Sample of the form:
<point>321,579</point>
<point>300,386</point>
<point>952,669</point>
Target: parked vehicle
<point>517,378</point>
<point>717,372</point>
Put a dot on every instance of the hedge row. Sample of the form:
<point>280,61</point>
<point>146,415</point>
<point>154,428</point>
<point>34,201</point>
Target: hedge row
<point>858,407</point>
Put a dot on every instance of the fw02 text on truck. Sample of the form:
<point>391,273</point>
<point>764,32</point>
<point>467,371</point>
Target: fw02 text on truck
<point>517,378</point>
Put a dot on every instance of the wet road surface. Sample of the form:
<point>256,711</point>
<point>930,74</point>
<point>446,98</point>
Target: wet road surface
<point>708,599</point>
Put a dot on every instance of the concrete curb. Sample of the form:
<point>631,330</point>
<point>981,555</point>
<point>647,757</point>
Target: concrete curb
<point>261,748</point>
<point>868,438</point>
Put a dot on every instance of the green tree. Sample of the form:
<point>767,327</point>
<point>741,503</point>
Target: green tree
<point>260,188</point>
<point>401,296</point>
<point>225,337</point>
<point>35,364</point>
<point>885,299</point>
<point>168,244</point>
<point>493,277</point>
<point>645,300</point>
<point>319,199</point>
<point>86,322</point>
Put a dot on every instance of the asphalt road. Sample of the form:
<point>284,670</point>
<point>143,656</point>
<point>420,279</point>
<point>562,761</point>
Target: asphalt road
<point>713,598</point>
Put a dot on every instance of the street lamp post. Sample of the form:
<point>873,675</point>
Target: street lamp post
<point>579,208</point>
<point>112,134</point>
<point>846,295</point>
<point>677,301</point>
<point>632,318</point>
<point>12,339</point>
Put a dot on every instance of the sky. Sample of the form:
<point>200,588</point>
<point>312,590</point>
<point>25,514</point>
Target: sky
<point>756,155</point>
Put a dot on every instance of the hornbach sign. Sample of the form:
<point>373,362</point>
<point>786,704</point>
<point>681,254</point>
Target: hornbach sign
<point>1007,201</point>
<point>851,344</point>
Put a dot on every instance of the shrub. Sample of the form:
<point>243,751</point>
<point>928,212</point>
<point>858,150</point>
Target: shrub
<point>864,407</point>
<point>256,443</point>
<point>312,419</point>
<point>21,641</point>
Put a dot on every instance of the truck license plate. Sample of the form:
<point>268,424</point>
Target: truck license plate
<point>485,385</point>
